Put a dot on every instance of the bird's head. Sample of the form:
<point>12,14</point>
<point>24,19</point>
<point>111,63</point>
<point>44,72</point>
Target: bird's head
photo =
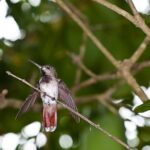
<point>46,70</point>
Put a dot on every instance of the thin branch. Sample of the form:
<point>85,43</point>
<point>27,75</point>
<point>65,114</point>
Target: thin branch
<point>3,95</point>
<point>102,98</point>
<point>81,55</point>
<point>24,81</point>
<point>110,76</point>
<point>16,103</point>
<point>118,10</point>
<point>12,102</point>
<point>139,19</point>
<point>140,66</point>
<point>79,14</point>
<point>133,83</point>
<point>76,59</point>
<point>105,97</point>
<point>139,50</point>
<point>93,80</point>
<point>135,12</point>
<point>88,32</point>
<point>97,126</point>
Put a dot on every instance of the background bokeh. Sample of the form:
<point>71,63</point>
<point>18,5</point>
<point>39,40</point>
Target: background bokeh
<point>41,31</point>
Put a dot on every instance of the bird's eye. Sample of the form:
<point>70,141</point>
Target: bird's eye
<point>47,67</point>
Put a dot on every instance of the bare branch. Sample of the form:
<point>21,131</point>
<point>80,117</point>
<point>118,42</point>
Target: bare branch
<point>24,81</point>
<point>110,76</point>
<point>97,126</point>
<point>139,50</point>
<point>118,10</point>
<point>88,32</point>
<point>140,66</point>
<point>93,80</point>
<point>124,71</point>
<point>81,54</point>
<point>103,98</point>
<point>76,59</point>
<point>16,103</point>
<point>139,19</point>
<point>3,94</point>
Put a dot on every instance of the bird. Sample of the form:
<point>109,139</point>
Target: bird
<point>52,89</point>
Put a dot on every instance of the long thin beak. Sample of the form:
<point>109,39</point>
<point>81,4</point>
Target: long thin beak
<point>34,63</point>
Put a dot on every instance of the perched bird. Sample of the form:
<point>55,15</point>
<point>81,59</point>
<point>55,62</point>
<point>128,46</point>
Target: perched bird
<point>53,89</point>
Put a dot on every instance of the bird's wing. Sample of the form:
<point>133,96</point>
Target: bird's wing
<point>29,102</point>
<point>65,95</point>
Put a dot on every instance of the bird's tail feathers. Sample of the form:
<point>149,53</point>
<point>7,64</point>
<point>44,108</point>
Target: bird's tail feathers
<point>50,117</point>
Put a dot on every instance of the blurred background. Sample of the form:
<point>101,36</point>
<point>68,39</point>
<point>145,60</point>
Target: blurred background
<point>41,31</point>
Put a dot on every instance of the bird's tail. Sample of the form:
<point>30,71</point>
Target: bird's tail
<point>50,117</point>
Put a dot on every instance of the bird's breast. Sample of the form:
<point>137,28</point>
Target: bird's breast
<point>50,88</point>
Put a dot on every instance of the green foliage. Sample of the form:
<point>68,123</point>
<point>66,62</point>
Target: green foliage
<point>143,107</point>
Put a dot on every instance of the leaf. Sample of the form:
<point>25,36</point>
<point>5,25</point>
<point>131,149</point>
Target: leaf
<point>143,107</point>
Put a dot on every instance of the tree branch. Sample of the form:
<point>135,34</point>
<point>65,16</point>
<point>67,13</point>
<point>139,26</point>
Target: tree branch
<point>139,50</point>
<point>81,55</point>
<point>93,80</point>
<point>110,76</point>
<point>118,10</point>
<point>133,83</point>
<point>85,28</point>
<point>76,59</point>
<point>16,103</point>
<point>139,19</point>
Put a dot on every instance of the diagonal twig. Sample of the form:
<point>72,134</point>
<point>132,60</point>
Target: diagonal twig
<point>92,80</point>
<point>97,126</point>
<point>81,55</point>
<point>139,19</point>
<point>77,60</point>
<point>110,76</point>
<point>118,10</point>
<point>88,32</point>
<point>139,50</point>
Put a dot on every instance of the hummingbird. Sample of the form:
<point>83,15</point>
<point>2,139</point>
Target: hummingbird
<point>52,89</point>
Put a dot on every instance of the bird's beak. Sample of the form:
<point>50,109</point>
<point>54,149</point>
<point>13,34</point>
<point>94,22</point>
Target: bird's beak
<point>34,63</point>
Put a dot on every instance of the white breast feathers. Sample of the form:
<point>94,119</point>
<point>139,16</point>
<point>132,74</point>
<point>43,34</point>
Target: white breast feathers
<point>51,89</point>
